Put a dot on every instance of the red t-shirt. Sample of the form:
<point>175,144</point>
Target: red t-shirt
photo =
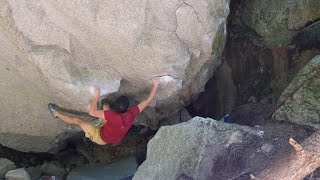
<point>117,124</point>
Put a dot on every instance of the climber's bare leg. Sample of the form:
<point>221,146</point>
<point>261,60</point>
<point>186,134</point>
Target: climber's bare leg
<point>80,146</point>
<point>67,119</point>
<point>73,120</point>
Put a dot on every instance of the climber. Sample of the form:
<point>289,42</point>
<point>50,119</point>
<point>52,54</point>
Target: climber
<point>116,120</point>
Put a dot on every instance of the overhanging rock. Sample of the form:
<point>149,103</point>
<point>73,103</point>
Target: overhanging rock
<point>56,51</point>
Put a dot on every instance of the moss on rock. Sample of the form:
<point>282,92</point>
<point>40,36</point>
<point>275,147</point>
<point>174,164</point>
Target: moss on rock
<point>300,102</point>
<point>219,41</point>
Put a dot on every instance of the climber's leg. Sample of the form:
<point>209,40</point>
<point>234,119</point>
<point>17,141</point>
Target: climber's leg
<point>92,132</point>
<point>69,119</point>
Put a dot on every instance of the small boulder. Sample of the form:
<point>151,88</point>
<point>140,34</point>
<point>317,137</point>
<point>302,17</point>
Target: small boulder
<point>191,149</point>
<point>5,166</point>
<point>18,174</point>
<point>206,149</point>
<point>118,170</point>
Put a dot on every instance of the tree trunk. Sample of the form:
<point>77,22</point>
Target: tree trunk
<point>303,160</point>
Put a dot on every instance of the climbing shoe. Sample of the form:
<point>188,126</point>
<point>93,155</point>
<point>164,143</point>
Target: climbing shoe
<point>52,109</point>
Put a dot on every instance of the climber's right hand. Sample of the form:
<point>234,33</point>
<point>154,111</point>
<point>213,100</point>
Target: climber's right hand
<point>96,92</point>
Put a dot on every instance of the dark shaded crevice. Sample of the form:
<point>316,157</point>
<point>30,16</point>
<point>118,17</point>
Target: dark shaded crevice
<point>24,159</point>
<point>307,38</point>
<point>219,96</point>
<point>79,150</point>
<point>310,24</point>
<point>259,72</point>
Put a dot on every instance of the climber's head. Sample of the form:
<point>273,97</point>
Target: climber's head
<point>121,104</point>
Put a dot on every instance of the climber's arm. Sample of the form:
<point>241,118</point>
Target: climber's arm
<point>93,106</point>
<point>144,104</point>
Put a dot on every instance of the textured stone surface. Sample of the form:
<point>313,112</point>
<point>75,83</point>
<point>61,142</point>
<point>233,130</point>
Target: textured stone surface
<point>18,174</point>
<point>117,170</point>
<point>300,102</point>
<point>205,149</point>
<point>53,168</point>
<point>56,51</point>
<point>5,166</point>
<point>260,69</point>
<point>177,118</point>
<point>277,21</point>
<point>34,172</point>
<point>191,149</point>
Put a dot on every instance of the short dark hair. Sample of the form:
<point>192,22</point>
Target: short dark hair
<point>121,104</point>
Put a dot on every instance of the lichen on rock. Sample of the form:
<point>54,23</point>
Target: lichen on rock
<point>300,101</point>
<point>278,21</point>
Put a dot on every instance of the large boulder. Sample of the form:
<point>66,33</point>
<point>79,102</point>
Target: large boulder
<point>56,51</point>
<point>277,21</point>
<point>189,149</point>
<point>203,148</point>
<point>263,51</point>
<point>300,102</point>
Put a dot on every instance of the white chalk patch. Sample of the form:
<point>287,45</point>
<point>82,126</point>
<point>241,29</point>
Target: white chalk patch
<point>166,79</point>
<point>169,79</point>
<point>105,88</point>
<point>91,89</point>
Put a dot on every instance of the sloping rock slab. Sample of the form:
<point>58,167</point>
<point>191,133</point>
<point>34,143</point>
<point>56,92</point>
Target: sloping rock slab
<point>190,149</point>
<point>300,102</point>
<point>119,170</point>
<point>202,149</point>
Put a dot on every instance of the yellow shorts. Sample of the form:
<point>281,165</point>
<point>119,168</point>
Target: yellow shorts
<point>93,133</point>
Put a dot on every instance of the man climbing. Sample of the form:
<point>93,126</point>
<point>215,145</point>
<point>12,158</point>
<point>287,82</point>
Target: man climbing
<point>117,119</point>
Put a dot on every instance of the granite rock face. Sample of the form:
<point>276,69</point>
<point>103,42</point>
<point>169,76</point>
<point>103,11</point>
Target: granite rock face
<point>278,21</point>
<point>268,43</point>
<point>300,101</point>
<point>192,149</point>
<point>206,149</point>
<point>56,51</point>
